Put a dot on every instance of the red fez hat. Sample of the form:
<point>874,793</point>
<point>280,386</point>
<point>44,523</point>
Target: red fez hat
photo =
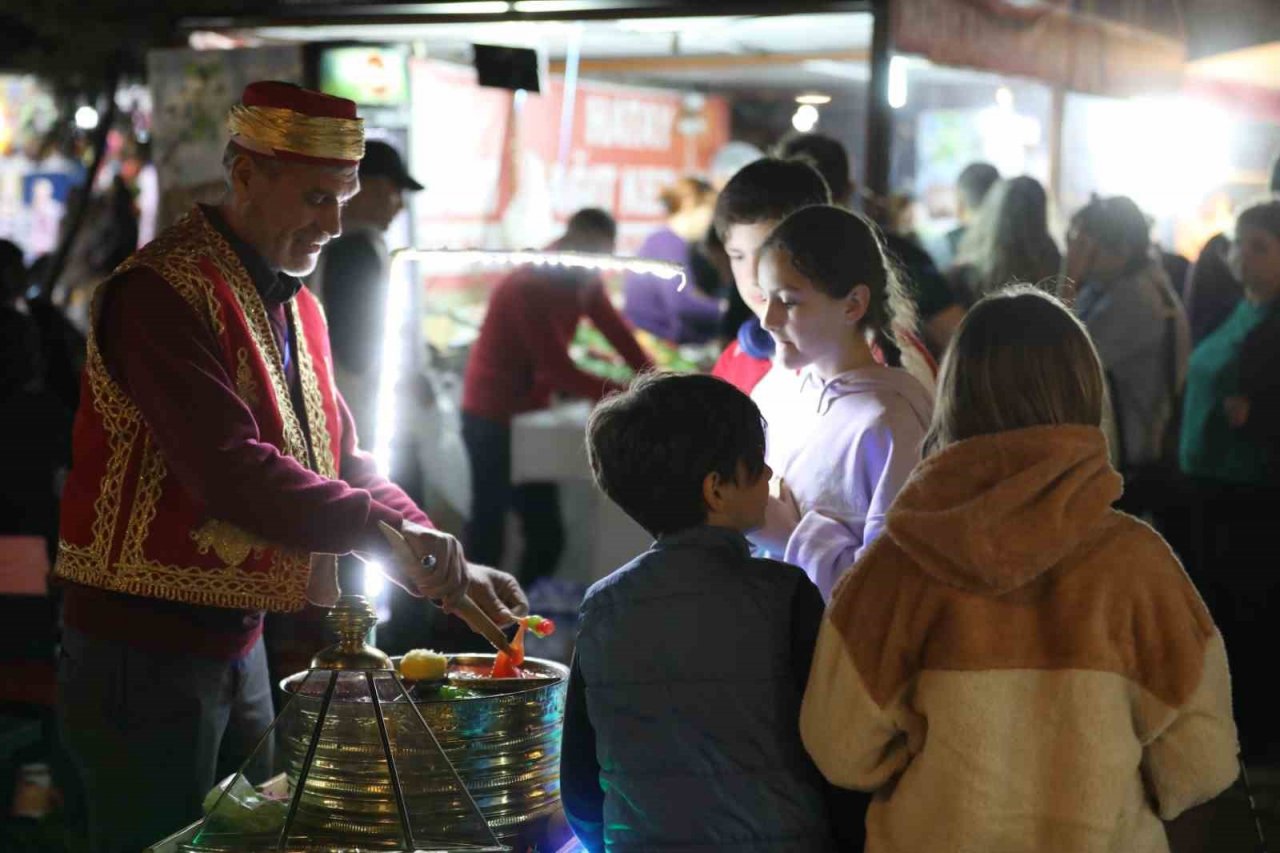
<point>289,122</point>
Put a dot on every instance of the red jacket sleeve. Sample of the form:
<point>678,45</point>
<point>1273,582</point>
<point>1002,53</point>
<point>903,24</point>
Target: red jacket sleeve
<point>553,367</point>
<point>600,311</point>
<point>167,362</point>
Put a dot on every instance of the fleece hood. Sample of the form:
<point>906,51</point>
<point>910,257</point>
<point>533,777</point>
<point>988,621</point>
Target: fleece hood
<point>991,514</point>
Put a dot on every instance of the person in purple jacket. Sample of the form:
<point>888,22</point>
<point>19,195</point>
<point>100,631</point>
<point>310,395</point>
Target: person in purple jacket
<point>844,431</point>
<point>684,316</point>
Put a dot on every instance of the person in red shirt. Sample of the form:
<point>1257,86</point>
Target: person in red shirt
<point>757,198</point>
<point>213,458</point>
<point>518,364</point>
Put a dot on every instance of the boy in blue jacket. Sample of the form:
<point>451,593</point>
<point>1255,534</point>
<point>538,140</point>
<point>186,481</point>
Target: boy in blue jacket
<point>681,723</point>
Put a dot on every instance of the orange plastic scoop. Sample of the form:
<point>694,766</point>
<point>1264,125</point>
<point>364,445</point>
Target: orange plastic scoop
<point>507,664</point>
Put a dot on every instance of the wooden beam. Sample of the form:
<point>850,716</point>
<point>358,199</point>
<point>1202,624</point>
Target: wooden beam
<point>879,113</point>
<point>651,64</point>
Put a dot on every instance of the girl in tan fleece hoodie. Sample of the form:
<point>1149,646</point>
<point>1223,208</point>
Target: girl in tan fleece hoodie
<point>1013,665</point>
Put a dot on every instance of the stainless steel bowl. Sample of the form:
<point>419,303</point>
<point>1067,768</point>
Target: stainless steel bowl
<point>504,744</point>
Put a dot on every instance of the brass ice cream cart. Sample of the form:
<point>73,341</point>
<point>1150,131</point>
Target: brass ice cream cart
<point>375,764</point>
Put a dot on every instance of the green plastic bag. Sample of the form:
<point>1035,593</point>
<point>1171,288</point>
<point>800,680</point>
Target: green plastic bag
<point>243,810</point>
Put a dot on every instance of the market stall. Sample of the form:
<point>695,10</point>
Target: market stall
<point>547,445</point>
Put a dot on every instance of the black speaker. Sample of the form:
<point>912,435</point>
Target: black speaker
<point>507,67</point>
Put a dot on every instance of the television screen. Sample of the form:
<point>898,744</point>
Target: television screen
<point>507,67</point>
<point>372,76</point>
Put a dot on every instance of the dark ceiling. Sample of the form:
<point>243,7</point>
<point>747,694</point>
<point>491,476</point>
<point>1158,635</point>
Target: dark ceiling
<point>1217,26</point>
<point>50,36</point>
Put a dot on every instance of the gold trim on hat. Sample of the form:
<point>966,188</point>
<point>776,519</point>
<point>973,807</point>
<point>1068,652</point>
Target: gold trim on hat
<point>281,129</point>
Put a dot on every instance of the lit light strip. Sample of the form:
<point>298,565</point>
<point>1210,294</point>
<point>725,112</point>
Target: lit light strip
<point>467,7</point>
<point>549,7</point>
<point>396,316</point>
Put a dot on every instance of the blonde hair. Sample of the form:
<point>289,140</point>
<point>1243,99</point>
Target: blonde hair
<point>1008,240</point>
<point>686,192</point>
<point>1019,359</point>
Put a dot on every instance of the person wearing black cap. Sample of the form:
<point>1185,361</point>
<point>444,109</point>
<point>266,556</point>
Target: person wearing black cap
<point>352,278</point>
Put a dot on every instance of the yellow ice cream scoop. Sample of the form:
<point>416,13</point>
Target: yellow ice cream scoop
<point>423,665</point>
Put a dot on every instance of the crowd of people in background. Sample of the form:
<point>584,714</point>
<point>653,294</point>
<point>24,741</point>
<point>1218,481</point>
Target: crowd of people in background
<point>1188,404</point>
<point>945,439</point>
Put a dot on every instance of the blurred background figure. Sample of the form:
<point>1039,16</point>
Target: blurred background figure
<point>972,186</point>
<point>108,235</point>
<point>938,313</point>
<point>1212,288</point>
<point>352,279</point>
<point>729,159</point>
<point>1007,241</point>
<point>683,316</point>
<point>520,363</point>
<point>1124,298</point>
<point>900,217</point>
<point>727,162</point>
<point>62,345</point>
<point>34,460</point>
<point>1230,447</point>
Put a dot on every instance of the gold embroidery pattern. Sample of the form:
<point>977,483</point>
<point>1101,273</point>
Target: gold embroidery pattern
<point>146,497</point>
<point>237,278</point>
<point>230,543</point>
<point>286,579</point>
<point>76,563</point>
<point>246,385</point>
<point>313,401</point>
<point>282,589</point>
<point>176,257</point>
<point>282,585</point>
<point>285,130</point>
<point>122,421</point>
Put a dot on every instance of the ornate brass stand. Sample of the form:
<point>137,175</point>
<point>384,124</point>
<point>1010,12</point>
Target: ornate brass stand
<point>352,672</point>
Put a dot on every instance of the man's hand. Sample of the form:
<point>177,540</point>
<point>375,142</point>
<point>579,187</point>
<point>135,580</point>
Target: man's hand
<point>497,594</point>
<point>445,580</point>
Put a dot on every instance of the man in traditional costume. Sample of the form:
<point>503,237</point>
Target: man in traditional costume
<point>213,459</point>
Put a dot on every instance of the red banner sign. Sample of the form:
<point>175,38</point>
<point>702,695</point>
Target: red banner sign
<point>504,169</point>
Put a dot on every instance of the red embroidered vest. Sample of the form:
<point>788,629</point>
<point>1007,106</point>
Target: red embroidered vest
<point>127,523</point>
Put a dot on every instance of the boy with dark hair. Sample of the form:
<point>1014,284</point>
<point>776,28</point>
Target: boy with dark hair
<point>757,198</point>
<point>684,696</point>
<point>589,230</point>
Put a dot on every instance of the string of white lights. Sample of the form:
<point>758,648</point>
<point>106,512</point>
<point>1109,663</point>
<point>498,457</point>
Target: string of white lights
<point>489,259</point>
<point>396,314</point>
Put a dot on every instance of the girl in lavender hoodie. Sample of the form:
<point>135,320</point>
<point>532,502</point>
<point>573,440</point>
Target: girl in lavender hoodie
<point>844,430</point>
